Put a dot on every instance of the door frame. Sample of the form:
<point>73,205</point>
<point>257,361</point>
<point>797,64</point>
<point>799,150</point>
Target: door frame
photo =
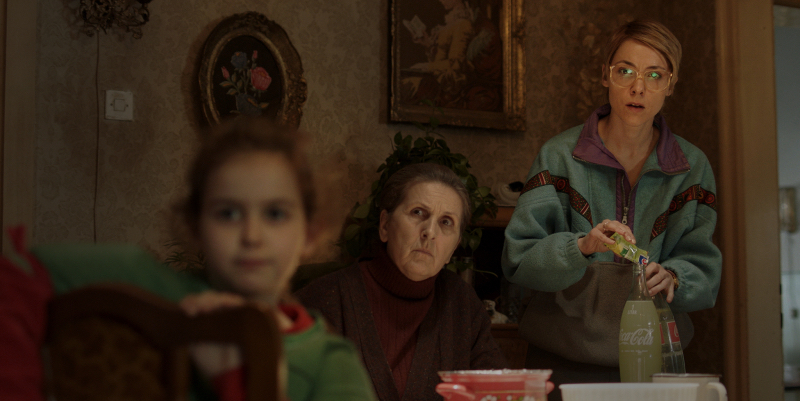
<point>748,192</point>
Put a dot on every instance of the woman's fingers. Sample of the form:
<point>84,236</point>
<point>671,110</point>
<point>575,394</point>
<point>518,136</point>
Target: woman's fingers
<point>614,226</point>
<point>670,293</point>
<point>600,235</point>
<point>214,359</point>
<point>606,230</point>
<point>210,301</point>
<point>658,280</point>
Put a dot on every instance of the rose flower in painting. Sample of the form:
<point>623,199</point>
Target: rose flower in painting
<point>246,83</point>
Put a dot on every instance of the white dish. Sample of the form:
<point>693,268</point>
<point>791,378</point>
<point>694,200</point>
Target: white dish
<point>629,392</point>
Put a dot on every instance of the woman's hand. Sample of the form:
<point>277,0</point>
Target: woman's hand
<point>659,279</point>
<point>210,301</point>
<point>596,238</point>
<point>213,358</point>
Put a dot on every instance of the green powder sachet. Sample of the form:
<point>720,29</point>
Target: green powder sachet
<point>627,250</point>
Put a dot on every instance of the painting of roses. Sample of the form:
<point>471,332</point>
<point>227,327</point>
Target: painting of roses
<point>248,79</point>
<point>242,72</point>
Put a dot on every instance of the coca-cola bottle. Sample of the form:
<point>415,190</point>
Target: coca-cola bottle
<point>639,346</point>
<point>671,350</point>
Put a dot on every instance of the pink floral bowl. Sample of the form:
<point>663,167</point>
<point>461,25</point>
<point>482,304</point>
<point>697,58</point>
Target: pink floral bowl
<point>494,385</point>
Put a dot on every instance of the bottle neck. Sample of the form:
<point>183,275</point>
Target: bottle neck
<point>639,291</point>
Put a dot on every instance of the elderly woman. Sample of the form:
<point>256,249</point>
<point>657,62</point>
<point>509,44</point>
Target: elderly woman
<point>622,171</point>
<point>408,316</point>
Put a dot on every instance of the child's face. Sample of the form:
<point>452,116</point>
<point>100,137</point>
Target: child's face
<point>252,227</point>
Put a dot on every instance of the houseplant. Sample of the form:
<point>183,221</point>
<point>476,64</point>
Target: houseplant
<point>431,148</point>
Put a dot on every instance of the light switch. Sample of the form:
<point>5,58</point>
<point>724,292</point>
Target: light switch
<point>119,105</point>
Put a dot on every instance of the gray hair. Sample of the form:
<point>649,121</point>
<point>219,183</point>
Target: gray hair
<point>396,188</point>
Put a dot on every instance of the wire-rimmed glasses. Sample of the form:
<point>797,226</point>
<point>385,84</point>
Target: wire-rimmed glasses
<point>655,80</point>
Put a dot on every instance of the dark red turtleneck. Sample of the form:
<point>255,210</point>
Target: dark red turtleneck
<point>398,305</point>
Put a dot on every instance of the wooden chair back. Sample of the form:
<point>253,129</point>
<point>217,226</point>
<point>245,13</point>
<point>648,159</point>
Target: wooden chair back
<point>118,342</point>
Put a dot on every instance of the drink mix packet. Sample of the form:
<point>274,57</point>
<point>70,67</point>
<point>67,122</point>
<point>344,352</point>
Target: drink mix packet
<point>627,250</point>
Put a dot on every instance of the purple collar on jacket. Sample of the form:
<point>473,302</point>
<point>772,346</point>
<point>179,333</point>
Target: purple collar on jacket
<point>590,147</point>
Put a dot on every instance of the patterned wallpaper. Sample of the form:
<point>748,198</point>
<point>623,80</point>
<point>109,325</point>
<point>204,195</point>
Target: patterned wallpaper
<point>121,192</point>
<point>108,180</point>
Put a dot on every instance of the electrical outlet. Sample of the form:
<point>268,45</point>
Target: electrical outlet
<point>119,105</point>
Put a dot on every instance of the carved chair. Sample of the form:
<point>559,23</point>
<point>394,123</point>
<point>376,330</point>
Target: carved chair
<point>118,342</point>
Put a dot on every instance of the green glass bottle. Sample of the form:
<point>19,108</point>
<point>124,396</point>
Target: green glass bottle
<point>639,333</point>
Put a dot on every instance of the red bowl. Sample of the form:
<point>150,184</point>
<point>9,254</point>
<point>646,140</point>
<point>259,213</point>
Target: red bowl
<point>494,385</point>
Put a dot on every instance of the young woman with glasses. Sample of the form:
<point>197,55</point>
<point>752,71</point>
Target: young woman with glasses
<point>622,171</point>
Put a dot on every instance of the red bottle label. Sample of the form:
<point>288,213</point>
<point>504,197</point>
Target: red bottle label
<point>673,332</point>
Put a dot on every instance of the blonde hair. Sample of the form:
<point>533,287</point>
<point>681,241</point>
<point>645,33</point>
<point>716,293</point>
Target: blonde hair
<point>653,35</point>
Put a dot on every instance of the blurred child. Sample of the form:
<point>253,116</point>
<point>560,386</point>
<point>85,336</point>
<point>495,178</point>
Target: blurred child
<point>252,212</point>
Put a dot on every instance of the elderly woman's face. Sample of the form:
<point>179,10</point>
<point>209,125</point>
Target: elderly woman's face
<point>423,231</point>
<point>636,105</point>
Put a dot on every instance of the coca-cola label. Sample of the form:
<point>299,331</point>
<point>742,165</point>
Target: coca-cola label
<point>673,332</point>
<point>640,336</point>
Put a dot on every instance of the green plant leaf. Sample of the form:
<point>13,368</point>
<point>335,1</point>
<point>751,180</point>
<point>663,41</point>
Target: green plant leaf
<point>231,91</point>
<point>362,211</point>
<point>351,231</point>
<point>472,182</point>
<point>484,271</point>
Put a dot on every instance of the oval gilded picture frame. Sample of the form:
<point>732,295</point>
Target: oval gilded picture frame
<point>250,67</point>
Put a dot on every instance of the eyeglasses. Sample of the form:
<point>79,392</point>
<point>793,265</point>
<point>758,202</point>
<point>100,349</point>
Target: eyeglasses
<point>655,80</point>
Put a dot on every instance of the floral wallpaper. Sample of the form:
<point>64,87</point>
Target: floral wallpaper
<point>115,181</point>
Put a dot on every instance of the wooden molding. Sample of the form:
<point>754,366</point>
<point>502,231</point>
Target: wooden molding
<point>19,116</point>
<point>747,188</point>
<point>735,363</point>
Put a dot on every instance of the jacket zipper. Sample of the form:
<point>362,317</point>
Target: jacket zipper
<point>626,198</point>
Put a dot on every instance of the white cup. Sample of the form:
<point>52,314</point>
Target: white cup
<point>709,389</point>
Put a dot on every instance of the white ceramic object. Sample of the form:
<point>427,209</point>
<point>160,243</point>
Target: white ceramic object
<point>710,388</point>
<point>629,392</point>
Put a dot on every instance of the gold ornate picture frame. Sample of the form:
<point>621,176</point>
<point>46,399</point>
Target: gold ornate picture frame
<point>250,67</point>
<point>465,58</point>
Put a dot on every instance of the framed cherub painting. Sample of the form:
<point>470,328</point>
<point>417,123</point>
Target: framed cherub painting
<point>464,57</point>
